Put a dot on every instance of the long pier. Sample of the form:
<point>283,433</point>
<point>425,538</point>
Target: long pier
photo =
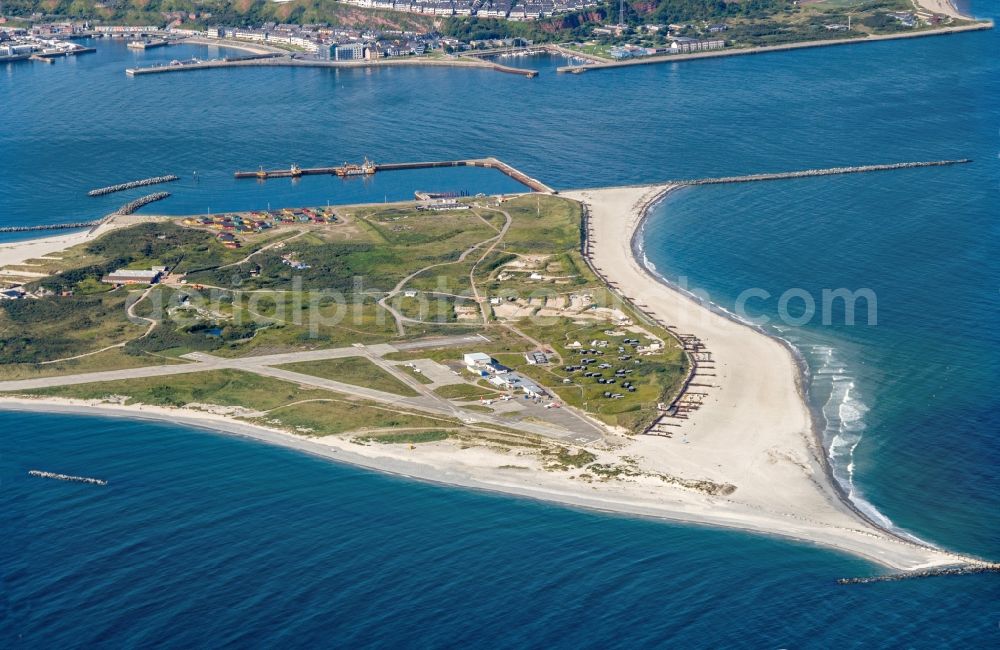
<point>101,191</point>
<point>742,51</point>
<point>805,173</point>
<point>288,61</point>
<point>831,171</point>
<point>533,184</point>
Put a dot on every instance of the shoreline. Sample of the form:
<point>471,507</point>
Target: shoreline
<point>785,427</point>
<point>782,491</point>
<point>351,454</point>
<point>233,44</point>
<point>766,49</point>
<point>287,61</point>
<point>18,251</point>
<point>801,377</point>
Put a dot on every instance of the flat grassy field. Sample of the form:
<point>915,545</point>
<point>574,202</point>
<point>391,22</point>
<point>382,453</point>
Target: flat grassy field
<point>509,268</point>
<point>333,417</point>
<point>353,370</point>
<point>114,359</point>
<point>466,392</point>
<point>218,387</point>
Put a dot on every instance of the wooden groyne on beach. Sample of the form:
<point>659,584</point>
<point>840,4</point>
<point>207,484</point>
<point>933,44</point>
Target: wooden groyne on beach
<point>533,184</point>
<point>132,206</point>
<point>54,226</point>
<point>66,477</point>
<point>101,191</point>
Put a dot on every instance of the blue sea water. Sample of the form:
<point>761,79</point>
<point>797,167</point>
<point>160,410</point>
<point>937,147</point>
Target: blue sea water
<point>203,539</point>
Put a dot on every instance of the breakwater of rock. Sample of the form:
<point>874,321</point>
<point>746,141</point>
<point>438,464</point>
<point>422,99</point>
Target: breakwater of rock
<point>966,570</point>
<point>67,477</point>
<point>52,226</point>
<point>807,173</point>
<point>101,191</point>
<point>132,206</point>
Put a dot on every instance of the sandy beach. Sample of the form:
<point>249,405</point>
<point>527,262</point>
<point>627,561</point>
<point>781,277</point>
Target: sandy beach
<point>18,252</point>
<point>754,430</point>
<point>12,253</point>
<point>233,44</point>
<point>943,7</point>
<point>483,469</point>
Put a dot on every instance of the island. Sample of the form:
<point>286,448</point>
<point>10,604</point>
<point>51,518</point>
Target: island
<point>508,343</point>
<point>469,34</point>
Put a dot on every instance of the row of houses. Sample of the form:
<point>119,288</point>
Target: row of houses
<point>509,9</point>
<point>16,49</point>
<point>277,37</point>
<point>126,29</point>
<point>356,51</point>
<point>260,221</point>
<point>330,46</point>
<point>681,45</point>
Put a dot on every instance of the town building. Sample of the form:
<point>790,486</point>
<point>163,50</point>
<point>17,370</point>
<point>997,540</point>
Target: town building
<point>348,51</point>
<point>536,357</point>
<point>131,276</point>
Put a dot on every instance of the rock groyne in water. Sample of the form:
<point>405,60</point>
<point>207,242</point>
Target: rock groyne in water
<point>101,191</point>
<point>132,206</point>
<point>969,569</point>
<point>66,477</point>
<point>832,171</point>
<point>53,226</point>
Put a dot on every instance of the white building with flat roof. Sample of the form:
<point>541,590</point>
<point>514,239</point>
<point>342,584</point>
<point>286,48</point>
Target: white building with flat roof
<point>477,359</point>
<point>132,276</point>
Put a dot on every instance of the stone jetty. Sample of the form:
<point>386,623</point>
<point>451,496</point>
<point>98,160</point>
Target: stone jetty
<point>132,206</point>
<point>831,171</point>
<point>101,191</point>
<point>52,226</point>
<point>964,570</point>
<point>67,477</point>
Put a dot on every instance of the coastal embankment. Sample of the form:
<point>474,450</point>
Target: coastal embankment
<point>289,61</point>
<point>712,54</point>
